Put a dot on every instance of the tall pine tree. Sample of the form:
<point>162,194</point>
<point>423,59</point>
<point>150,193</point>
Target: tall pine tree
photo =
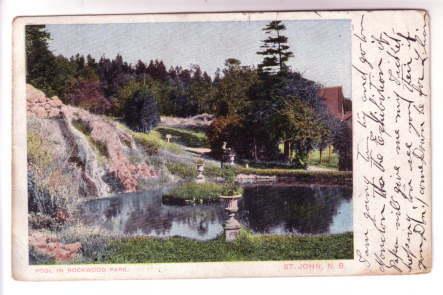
<point>275,49</point>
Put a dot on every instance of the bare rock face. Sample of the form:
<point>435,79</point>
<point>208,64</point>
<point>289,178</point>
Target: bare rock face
<point>41,106</point>
<point>94,144</point>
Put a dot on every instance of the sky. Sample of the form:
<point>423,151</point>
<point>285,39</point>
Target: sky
<point>322,48</point>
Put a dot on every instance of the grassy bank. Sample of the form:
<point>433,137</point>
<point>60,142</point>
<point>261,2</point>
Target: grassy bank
<point>321,177</point>
<point>247,248</point>
<point>187,137</point>
<point>152,142</point>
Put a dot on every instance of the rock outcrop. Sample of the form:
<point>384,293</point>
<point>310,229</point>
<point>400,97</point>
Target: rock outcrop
<point>51,247</point>
<point>95,148</point>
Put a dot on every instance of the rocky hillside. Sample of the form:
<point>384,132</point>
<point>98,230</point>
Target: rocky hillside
<point>73,153</point>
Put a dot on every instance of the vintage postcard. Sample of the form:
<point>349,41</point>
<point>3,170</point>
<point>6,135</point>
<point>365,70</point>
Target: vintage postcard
<point>221,145</point>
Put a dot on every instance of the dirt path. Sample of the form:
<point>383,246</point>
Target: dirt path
<point>319,168</point>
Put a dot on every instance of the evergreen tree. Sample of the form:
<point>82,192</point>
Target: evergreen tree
<point>141,112</point>
<point>275,49</point>
<point>41,66</point>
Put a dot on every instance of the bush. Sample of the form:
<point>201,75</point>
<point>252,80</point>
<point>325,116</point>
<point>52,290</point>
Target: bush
<point>141,112</point>
<point>181,169</point>
<point>87,94</point>
<point>228,129</point>
<point>38,154</point>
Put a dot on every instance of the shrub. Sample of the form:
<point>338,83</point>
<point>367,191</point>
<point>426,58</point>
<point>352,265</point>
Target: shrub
<point>141,112</point>
<point>38,154</point>
<point>87,94</point>
<point>228,129</point>
<point>181,169</point>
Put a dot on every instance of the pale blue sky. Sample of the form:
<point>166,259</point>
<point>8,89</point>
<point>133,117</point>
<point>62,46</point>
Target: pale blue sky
<point>322,48</point>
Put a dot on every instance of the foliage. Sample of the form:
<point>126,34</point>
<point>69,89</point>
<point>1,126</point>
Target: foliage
<point>231,94</point>
<point>275,49</point>
<point>230,129</point>
<point>41,68</point>
<point>256,108</point>
<point>246,248</point>
<point>230,187</point>
<point>193,193</point>
<point>141,113</point>
<point>183,170</point>
<point>87,93</point>
<point>125,93</point>
<point>38,154</point>
<point>328,161</point>
<point>342,141</point>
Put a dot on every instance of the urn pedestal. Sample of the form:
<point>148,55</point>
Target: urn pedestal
<point>231,226</point>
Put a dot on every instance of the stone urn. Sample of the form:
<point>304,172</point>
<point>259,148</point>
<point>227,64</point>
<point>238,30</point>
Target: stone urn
<point>200,170</point>
<point>168,137</point>
<point>231,226</point>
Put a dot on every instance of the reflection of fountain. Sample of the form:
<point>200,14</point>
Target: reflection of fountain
<point>231,226</point>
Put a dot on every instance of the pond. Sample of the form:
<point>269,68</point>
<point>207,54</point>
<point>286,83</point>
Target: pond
<point>276,209</point>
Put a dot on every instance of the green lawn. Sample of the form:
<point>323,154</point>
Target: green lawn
<point>324,177</point>
<point>187,137</point>
<point>327,162</point>
<point>152,142</point>
<point>247,248</point>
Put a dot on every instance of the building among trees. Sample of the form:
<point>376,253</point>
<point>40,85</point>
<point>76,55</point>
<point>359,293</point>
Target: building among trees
<point>337,105</point>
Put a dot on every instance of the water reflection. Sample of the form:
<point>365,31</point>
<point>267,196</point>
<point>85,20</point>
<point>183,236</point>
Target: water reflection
<point>296,209</point>
<point>263,209</point>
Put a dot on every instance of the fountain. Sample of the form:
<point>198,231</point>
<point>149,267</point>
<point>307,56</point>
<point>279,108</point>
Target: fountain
<point>230,196</point>
<point>231,226</point>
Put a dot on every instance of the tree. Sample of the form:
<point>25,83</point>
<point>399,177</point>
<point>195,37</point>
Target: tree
<point>87,94</point>
<point>231,93</point>
<point>275,49</point>
<point>41,65</point>
<point>342,141</point>
<point>300,129</point>
<point>141,112</point>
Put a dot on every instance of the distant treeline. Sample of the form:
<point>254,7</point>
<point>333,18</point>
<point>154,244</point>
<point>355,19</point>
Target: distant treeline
<point>256,108</point>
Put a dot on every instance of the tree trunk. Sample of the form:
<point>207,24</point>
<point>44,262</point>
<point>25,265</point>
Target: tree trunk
<point>287,150</point>
<point>329,154</point>
<point>255,150</point>
<point>320,150</point>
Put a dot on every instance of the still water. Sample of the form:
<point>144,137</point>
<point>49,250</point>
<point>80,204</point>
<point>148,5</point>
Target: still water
<point>276,209</point>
